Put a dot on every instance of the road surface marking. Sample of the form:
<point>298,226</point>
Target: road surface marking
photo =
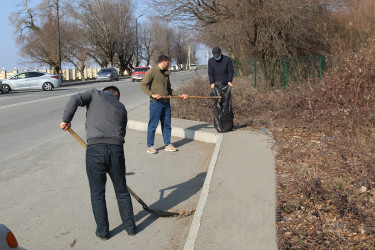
<point>34,101</point>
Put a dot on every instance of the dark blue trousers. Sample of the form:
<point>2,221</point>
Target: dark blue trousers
<point>159,111</point>
<point>100,160</point>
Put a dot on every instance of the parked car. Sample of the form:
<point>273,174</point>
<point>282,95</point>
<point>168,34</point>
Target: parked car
<point>139,73</point>
<point>193,67</point>
<point>175,68</point>
<point>7,239</point>
<point>107,74</point>
<point>3,90</point>
<point>32,80</point>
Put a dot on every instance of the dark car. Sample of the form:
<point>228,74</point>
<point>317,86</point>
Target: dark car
<point>107,74</point>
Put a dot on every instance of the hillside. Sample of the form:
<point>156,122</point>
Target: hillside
<point>325,136</point>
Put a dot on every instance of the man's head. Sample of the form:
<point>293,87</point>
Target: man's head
<point>163,62</point>
<point>114,90</point>
<point>216,52</point>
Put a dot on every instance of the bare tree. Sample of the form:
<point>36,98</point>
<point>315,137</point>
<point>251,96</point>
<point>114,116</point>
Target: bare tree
<point>125,38</point>
<point>161,38</point>
<point>100,25</point>
<point>355,21</point>
<point>36,32</point>
<point>259,28</point>
<point>76,48</point>
<point>180,47</point>
<point>147,42</point>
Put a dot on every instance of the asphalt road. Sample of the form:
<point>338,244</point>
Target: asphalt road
<point>30,118</point>
<point>44,196</point>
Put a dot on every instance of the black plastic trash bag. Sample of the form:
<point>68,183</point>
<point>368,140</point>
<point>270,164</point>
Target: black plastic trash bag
<point>223,114</point>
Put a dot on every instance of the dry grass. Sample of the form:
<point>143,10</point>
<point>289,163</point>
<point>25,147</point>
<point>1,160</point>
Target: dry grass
<point>325,163</point>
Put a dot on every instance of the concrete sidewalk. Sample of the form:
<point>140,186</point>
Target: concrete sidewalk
<point>236,209</point>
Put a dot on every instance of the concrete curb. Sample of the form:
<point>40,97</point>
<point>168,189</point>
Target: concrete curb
<point>177,132</point>
<point>195,224</point>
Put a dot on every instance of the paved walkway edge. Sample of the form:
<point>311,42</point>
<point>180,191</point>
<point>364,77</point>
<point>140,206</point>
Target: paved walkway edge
<point>177,132</point>
<point>195,224</point>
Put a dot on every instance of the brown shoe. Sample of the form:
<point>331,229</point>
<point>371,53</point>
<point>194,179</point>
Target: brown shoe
<point>151,150</point>
<point>170,148</point>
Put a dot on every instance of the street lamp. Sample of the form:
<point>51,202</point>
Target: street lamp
<point>136,37</point>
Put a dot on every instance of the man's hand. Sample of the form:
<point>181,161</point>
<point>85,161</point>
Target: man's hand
<point>65,126</point>
<point>185,96</point>
<point>230,84</point>
<point>212,85</point>
<point>156,96</point>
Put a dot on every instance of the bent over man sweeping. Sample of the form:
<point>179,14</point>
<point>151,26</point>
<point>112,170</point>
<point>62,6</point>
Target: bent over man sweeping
<point>106,121</point>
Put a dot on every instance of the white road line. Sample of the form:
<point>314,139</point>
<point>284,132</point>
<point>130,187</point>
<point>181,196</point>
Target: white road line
<point>49,98</point>
<point>33,101</point>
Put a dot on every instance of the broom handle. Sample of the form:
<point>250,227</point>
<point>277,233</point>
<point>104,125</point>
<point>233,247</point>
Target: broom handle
<point>77,137</point>
<point>85,146</point>
<point>131,192</point>
<point>193,96</point>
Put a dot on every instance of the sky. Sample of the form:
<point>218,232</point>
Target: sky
<point>9,58</point>
<point>9,52</point>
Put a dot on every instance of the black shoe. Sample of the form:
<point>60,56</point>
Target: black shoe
<point>132,233</point>
<point>106,237</point>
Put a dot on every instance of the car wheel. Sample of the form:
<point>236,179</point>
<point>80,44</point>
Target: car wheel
<point>117,79</point>
<point>132,80</point>
<point>6,88</point>
<point>47,86</point>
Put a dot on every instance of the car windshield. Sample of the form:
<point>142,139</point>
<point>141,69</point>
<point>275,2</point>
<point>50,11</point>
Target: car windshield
<point>105,71</point>
<point>140,69</point>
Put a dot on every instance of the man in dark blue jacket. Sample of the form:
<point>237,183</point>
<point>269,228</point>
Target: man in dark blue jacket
<point>220,68</point>
<point>106,120</point>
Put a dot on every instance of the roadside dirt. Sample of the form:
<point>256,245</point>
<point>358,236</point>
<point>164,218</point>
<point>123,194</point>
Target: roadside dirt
<point>325,139</point>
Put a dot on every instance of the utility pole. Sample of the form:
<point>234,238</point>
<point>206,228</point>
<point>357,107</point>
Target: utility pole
<point>58,36</point>
<point>188,64</point>
<point>168,43</point>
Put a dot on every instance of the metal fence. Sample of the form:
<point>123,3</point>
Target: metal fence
<point>282,72</point>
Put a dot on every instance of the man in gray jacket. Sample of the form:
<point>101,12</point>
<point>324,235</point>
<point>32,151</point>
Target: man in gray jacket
<point>106,120</point>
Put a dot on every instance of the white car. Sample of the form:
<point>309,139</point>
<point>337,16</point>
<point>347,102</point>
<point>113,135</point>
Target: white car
<point>32,80</point>
<point>193,67</point>
<point>7,239</point>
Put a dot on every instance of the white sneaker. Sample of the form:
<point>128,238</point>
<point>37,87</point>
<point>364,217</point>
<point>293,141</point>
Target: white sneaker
<point>151,150</point>
<point>170,148</point>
